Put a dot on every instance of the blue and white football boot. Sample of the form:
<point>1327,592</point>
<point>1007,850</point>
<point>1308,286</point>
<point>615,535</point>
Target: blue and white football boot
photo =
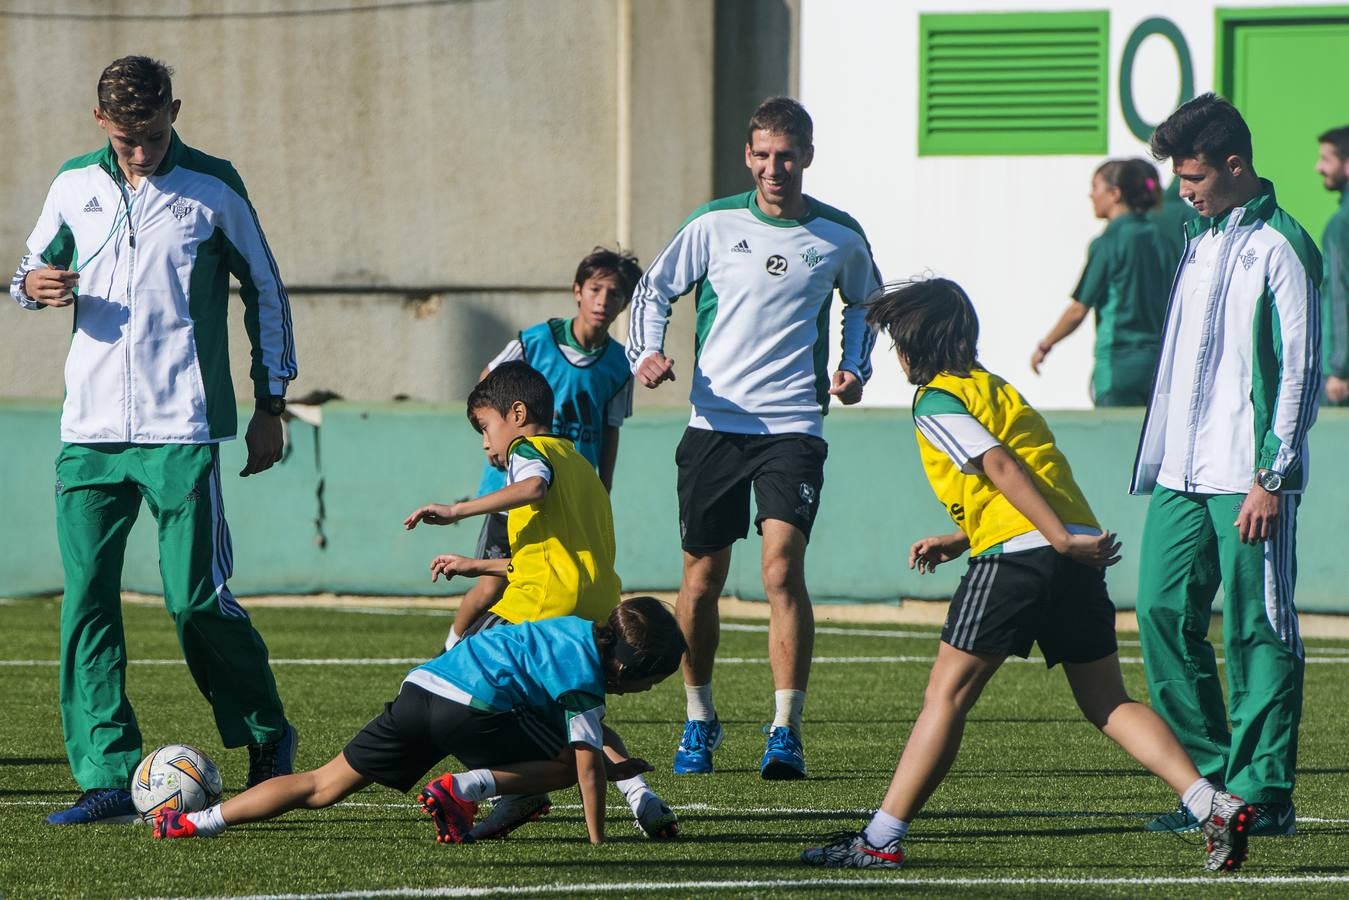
<point>694,756</point>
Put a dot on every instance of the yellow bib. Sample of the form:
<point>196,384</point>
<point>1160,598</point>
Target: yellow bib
<point>979,509</point>
<point>562,548</point>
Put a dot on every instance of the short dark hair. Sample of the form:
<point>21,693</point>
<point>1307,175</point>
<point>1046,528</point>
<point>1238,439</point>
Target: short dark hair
<point>133,90</point>
<point>782,115</point>
<point>512,382</point>
<point>1136,180</point>
<point>620,262</point>
<point>1338,138</point>
<point>1207,126</point>
<point>933,325</point>
<point>641,639</point>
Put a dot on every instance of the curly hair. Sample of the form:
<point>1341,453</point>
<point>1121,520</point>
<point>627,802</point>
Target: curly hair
<point>133,90</point>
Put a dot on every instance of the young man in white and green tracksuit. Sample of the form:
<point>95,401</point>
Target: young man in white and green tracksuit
<point>1223,453</point>
<point>141,238</point>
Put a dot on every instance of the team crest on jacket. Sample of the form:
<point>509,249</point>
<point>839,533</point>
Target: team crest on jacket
<point>812,258</point>
<point>180,208</point>
<point>1248,258</point>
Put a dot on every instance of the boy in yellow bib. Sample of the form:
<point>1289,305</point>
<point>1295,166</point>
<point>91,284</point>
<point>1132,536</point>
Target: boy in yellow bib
<point>1036,575</point>
<point>561,530</point>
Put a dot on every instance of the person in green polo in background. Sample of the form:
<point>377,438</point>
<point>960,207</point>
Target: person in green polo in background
<point>1333,166</point>
<point>1126,281</point>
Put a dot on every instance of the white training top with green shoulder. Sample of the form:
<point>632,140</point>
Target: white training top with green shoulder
<point>149,357</point>
<point>764,288</point>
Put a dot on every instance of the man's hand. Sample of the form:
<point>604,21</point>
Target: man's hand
<point>265,442</point>
<point>51,286</point>
<point>1038,357</point>
<point>432,514</point>
<point>1337,389</point>
<point>1099,551</point>
<point>930,552</point>
<point>1255,521</point>
<point>654,369</point>
<point>846,386</point>
<point>450,565</point>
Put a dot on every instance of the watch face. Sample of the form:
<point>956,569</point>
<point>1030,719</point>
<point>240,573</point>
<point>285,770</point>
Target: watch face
<point>1271,481</point>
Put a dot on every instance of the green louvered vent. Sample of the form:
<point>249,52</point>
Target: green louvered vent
<point>1024,83</point>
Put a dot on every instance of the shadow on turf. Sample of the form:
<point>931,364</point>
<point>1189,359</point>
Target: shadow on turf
<point>32,760</point>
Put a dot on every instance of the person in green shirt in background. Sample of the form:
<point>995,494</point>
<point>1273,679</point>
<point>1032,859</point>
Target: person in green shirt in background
<point>1126,281</point>
<point>1333,167</point>
<point>1170,216</point>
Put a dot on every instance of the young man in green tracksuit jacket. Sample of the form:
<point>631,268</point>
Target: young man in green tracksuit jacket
<point>1332,165</point>
<point>1224,456</point>
<point>141,238</point>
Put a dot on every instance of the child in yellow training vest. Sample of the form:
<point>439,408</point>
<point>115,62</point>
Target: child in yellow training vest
<point>1037,560</point>
<point>561,530</point>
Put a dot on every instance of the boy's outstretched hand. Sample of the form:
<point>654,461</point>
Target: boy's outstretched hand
<point>628,768</point>
<point>432,514</point>
<point>930,552</point>
<point>1098,550</point>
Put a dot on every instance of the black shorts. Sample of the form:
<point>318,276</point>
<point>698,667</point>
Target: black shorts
<point>1008,601</point>
<point>485,621</point>
<point>494,541</point>
<point>419,729</point>
<point>716,470</point>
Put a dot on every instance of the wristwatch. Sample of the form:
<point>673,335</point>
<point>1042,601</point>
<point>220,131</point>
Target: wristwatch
<point>274,404</point>
<point>1268,479</point>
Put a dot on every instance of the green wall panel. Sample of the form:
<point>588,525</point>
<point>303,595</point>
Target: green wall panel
<point>329,516</point>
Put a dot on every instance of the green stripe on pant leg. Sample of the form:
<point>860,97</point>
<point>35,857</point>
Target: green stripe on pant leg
<point>224,652</point>
<point>1263,652</point>
<point>95,509</point>
<point>1178,578</point>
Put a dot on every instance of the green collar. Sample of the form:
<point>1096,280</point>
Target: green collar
<point>562,331</point>
<point>773,220</point>
<point>1258,208</point>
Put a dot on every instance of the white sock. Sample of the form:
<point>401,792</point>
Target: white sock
<point>1198,798</point>
<point>209,822</point>
<point>789,705</point>
<point>475,785</point>
<point>699,700</point>
<point>885,828</point>
<point>635,790</point>
<point>452,638</point>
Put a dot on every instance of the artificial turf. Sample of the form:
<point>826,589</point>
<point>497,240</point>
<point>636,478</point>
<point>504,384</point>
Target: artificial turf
<point>1038,803</point>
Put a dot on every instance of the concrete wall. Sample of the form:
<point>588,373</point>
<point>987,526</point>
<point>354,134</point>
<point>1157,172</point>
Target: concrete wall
<point>428,174</point>
<point>328,518</point>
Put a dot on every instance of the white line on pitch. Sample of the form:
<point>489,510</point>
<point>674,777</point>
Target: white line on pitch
<point>775,810</point>
<point>883,882</point>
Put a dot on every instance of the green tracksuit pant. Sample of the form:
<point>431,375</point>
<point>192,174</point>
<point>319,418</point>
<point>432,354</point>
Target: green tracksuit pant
<point>1190,546</point>
<point>99,489</point>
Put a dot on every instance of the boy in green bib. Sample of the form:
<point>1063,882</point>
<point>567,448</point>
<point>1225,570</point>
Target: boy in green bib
<point>1036,575</point>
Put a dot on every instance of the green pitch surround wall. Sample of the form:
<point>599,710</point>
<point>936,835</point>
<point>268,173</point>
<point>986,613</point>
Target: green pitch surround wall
<point>328,517</point>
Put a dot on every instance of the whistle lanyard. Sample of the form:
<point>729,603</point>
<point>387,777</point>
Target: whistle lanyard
<point>123,215</point>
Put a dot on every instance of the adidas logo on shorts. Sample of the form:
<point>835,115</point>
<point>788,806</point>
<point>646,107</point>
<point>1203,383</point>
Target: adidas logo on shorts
<point>742,247</point>
<point>92,206</point>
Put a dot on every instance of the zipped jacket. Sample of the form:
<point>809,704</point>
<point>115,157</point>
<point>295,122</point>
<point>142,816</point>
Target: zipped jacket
<point>149,357</point>
<point>1255,378</point>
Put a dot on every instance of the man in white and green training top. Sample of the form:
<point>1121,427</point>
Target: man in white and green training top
<point>763,266</point>
<point>140,239</point>
<point>1223,455</point>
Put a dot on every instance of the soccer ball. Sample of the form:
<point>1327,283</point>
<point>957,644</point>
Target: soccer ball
<point>175,777</point>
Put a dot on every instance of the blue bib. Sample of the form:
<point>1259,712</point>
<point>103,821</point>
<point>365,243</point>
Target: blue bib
<point>581,393</point>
